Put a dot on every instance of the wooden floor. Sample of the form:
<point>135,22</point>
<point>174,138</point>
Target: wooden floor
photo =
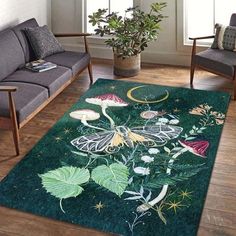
<point>219,215</point>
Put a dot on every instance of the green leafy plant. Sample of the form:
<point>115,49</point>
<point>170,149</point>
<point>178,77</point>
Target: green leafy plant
<point>65,182</point>
<point>113,177</point>
<point>131,34</point>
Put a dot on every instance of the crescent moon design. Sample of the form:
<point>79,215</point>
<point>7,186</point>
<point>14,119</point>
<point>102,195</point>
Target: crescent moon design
<point>130,96</point>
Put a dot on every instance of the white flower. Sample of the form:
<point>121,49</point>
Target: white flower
<point>174,122</point>
<point>163,120</point>
<point>147,159</point>
<point>142,170</point>
<point>153,151</point>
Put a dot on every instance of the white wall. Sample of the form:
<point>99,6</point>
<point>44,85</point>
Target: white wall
<point>13,12</point>
<point>165,50</point>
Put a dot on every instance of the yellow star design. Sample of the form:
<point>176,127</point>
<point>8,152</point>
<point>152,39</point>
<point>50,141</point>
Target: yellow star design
<point>185,194</point>
<point>67,131</point>
<point>174,205</point>
<point>176,110</point>
<point>99,206</point>
<point>58,139</point>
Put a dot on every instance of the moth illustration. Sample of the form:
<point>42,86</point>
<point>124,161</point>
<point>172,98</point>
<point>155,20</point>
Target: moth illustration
<point>112,140</point>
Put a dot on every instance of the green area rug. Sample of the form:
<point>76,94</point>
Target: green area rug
<point>128,158</point>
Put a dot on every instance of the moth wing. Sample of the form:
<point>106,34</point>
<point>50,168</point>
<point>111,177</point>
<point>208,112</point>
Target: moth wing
<point>117,140</point>
<point>137,137</point>
<point>160,133</point>
<point>97,142</point>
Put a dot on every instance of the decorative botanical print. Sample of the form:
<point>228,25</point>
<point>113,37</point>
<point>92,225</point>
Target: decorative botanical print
<point>135,158</point>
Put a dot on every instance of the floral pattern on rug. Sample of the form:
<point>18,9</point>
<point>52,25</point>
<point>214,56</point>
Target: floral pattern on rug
<point>136,161</point>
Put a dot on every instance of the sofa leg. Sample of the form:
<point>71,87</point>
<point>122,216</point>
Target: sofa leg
<point>15,128</point>
<point>90,72</point>
<point>16,138</point>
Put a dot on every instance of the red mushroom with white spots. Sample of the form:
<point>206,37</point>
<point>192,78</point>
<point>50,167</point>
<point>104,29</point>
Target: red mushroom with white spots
<point>105,101</point>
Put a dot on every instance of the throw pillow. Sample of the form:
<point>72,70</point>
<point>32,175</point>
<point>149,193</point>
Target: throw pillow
<point>225,38</point>
<point>43,41</point>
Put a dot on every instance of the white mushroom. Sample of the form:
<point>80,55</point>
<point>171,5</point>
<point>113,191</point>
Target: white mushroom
<point>105,101</point>
<point>85,115</point>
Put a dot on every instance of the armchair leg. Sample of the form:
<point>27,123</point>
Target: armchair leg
<point>90,72</point>
<point>15,128</point>
<point>192,70</point>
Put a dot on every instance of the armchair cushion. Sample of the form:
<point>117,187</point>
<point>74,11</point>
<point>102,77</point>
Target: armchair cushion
<point>43,41</point>
<point>28,98</point>
<point>222,61</point>
<point>76,61</point>
<point>225,38</point>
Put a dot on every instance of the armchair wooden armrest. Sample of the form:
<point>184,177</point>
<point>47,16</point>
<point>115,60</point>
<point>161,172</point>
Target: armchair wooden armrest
<point>204,37</point>
<point>8,88</point>
<point>66,35</point>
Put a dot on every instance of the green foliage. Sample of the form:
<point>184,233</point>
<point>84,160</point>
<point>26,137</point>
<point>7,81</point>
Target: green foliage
<point>185,172</point>
<point>113,177</point>
<point>65,182</point>
<point>131,35</point>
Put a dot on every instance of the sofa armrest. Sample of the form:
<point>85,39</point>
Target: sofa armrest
<point>77,35</point>
<point>72,35</point>
<point>8,88</point>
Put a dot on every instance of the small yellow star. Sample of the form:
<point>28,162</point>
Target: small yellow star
<point>185,194</point>
<point>174,205</point>
<point>67,131</point>
<point>99,206</point>
<point>176,110</point>
<point>58,139</point>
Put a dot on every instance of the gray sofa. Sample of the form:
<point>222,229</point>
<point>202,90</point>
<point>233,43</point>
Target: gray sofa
<point>24,93</point>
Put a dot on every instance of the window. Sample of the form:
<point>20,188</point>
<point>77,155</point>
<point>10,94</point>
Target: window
<point>112,5</point>
<point>201,16</point>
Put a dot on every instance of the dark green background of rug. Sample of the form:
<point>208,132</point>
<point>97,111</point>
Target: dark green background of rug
<point>21,188</point>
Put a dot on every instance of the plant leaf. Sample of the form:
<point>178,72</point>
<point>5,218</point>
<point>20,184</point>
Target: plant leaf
<point>113,177</point>
<point>65,182</point>
<point>133,198</point>
<point>131,192</point>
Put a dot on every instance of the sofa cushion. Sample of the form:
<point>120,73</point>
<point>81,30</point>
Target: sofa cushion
<point>20,33</point>
<point>27,98</point>
<point>76,61</point>
<point>51,79</point>
<point>222,61</point>
<point>43,41</point>
<point>11,53</point>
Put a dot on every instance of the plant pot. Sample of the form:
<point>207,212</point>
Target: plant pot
<point>127,67</point>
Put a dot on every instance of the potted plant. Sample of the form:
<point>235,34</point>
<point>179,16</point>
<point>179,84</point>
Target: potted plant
<point>130,35</point>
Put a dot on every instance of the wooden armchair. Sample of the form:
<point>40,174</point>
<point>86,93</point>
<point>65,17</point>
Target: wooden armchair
<point>220,62</point>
